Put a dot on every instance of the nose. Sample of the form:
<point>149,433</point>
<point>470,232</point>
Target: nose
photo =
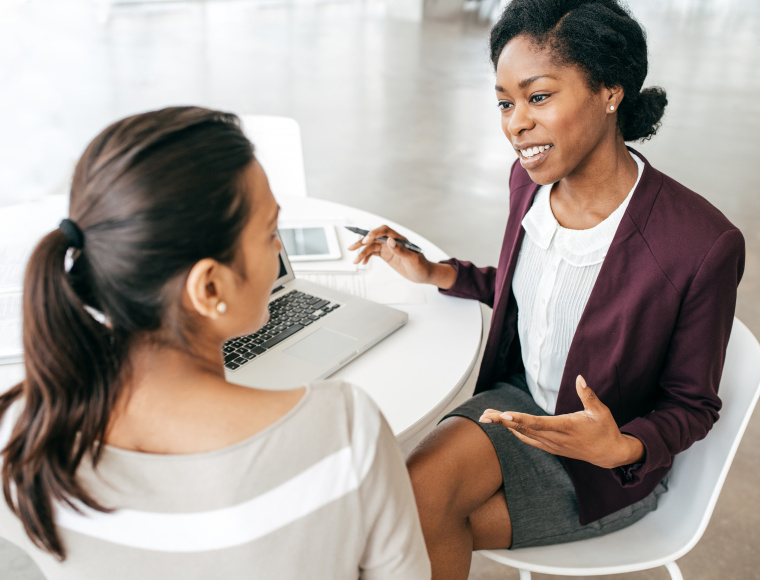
<point>518,121</point>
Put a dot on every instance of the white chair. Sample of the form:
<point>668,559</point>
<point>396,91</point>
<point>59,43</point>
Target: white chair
<point>668,533</point>
<point>277,142</point>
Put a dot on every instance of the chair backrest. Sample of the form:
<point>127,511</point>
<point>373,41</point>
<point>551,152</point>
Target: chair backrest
<point>699,472</point>
<point>277,142</point>
<point>683,513</point>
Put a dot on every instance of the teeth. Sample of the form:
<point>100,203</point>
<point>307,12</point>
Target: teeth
<point>531,151</point>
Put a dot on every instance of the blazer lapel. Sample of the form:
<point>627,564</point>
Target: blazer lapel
<point>601,305</point>
<point>512,242</point>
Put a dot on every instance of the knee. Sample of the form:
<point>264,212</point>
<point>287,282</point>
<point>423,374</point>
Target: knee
<point>424,470</point>
<point>433,462</point>
<point>434,488</point>
<point>441,467</point>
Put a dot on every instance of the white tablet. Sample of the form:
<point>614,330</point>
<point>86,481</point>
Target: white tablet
<point>310,242</point>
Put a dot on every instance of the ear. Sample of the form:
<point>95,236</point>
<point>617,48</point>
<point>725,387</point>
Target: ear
<point>205,287</point>
<point>613,96</point>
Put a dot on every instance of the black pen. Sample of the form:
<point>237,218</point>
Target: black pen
<point>407,245</point>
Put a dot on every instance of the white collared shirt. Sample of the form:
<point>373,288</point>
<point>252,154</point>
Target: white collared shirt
<point>556,271</point>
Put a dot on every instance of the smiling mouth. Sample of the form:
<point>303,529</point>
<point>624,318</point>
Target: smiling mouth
<point>533,151</point>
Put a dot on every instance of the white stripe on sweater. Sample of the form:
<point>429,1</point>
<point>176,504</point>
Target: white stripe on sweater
<point>331,478</point>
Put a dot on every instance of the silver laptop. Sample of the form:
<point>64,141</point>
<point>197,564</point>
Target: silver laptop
<point>312,332</point>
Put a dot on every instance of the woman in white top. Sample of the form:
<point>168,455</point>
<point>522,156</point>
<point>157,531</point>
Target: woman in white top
<point>125,452</point>
<point>612,303</point>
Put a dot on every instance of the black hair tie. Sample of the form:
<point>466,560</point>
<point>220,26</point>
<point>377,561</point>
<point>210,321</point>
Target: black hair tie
<point>73,234</point>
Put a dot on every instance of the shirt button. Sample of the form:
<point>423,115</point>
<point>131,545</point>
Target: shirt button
<point>535,366</point>
<point>543,301</point>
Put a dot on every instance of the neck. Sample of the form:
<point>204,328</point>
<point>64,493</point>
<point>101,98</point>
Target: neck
<point>601,181</point>
<point>595,188</point>
<point>159,370</point>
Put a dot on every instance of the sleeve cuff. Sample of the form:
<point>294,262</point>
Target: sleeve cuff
<point>656,453</point>
<point>629,475</point>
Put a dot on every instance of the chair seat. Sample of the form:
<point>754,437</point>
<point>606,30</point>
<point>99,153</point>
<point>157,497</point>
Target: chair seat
<point>682,515</point>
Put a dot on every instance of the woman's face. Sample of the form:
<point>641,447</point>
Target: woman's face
<point>260,254</point>
<point>549,107</point>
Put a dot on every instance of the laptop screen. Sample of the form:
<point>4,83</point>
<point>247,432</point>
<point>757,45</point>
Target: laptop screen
<point>286,270</point>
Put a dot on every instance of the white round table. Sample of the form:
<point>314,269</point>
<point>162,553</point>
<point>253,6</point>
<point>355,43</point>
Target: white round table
<point>413,374</point>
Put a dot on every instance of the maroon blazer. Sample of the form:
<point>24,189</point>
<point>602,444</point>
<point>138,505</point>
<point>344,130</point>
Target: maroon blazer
<point>652,339</point>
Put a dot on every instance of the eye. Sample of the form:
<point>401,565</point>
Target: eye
<point>504,105</point>
<point>538,98</point>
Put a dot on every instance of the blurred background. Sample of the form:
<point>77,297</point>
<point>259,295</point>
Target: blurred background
<point>398,117</point>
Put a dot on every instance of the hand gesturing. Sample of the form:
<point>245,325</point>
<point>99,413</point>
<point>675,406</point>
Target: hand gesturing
<point>590,435</point>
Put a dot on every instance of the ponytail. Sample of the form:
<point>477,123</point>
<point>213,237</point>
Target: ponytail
<point>73,367</point>
<point>153,194</point>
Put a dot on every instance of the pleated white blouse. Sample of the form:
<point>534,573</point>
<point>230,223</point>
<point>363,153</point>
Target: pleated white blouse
<point>556,271</point>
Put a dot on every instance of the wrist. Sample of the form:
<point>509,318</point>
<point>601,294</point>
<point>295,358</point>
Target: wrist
<point>442,275</point>
<point>634,451</point>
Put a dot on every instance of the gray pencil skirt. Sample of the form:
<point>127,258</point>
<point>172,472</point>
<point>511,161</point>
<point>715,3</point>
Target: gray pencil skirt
<point>540,498</point>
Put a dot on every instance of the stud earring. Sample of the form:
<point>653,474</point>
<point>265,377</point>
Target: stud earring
<point>612,108</point>
<point>221,307</point>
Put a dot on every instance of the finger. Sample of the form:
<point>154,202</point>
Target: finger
<point>587,396</point>
<point>365,255</point>
<point>367,252</point>
<point>490,416</point>
<point>550,424</point>
<point>533,442</point>
<point>356,245</point>
<point>552,439</point>
<point>398,250</point>
<point>380,232</point>
<point>365,261</point>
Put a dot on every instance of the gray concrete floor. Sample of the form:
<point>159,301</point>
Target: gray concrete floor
<point>397,118</point>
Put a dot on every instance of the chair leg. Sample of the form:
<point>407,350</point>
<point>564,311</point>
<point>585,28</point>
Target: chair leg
<point>525,574</point>
<point>675,571</point>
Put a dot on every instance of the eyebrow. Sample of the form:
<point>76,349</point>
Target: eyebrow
<point>525,82</point>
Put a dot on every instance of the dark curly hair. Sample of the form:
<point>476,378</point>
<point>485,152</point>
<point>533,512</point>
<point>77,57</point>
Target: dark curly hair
<point>602,39</point>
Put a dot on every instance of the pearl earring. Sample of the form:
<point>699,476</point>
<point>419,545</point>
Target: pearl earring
<point>612,108</point>
<point>221,307</point>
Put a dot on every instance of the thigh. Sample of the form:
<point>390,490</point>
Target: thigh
<point>456,473</point>
<point>455,467</point>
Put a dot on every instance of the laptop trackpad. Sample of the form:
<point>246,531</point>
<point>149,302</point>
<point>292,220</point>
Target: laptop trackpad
<point>321,346</point>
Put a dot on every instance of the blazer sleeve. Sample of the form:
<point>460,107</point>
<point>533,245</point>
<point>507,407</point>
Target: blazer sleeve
<point>472,282</point>
<point>688,404</point>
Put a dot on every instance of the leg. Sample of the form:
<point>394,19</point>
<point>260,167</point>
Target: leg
<point>675,571</point>
<point>457,484</point>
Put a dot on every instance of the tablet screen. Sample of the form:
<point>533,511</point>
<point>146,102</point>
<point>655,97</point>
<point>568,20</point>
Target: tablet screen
<point>305,241</point>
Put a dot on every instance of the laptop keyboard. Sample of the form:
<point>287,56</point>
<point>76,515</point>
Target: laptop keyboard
<point>288,314</point>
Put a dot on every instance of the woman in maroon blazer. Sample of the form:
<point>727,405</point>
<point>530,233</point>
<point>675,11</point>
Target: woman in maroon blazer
<point>584,437</point>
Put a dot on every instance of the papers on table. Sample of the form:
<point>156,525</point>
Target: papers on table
<point>376,281</point>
